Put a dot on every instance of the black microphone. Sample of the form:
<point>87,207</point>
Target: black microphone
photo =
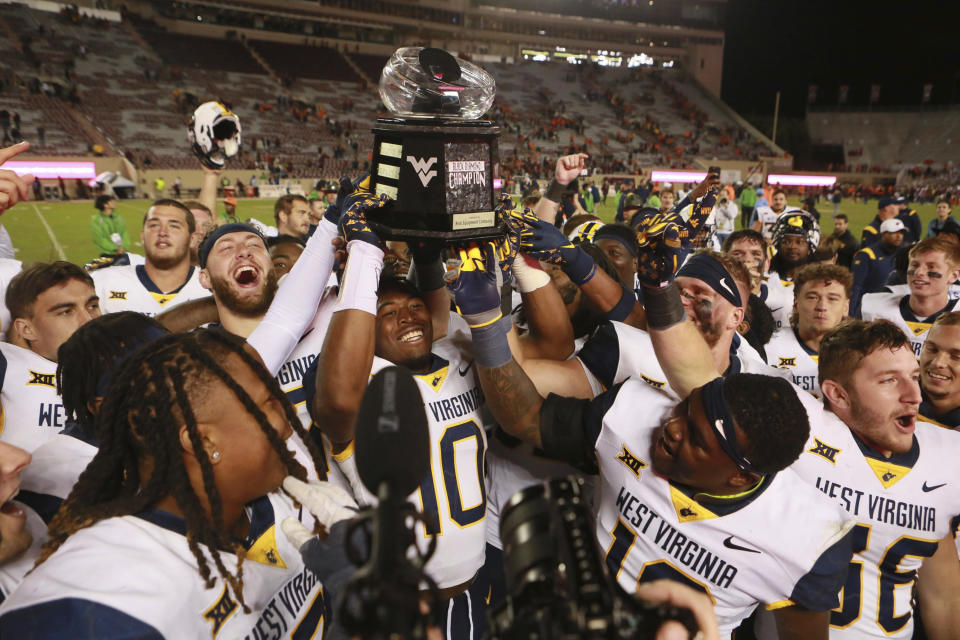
<point>392,449</point>
<point>391,441</point>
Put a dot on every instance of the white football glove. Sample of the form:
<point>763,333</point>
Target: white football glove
<point>328,503</point>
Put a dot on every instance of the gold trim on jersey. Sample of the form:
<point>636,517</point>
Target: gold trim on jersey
<point>3,418</point>
<point>918,328</point>
<point>656,384</point>
<point>779,604</point>
<point>220,612</point>
<point>265,551</point>
<point>632,462</point>
<point>919,415</point>
<point>825,451</point>
<point>435,379</point>
<point>343,455</point>
<point>887,473</point>
<point>687,508</point>
<point>163,298</point>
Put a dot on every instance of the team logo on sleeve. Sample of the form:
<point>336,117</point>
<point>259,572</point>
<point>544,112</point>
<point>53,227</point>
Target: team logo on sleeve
<point>118,295</point>
<point>824,450</point>
<point>631,461</point>
<point>787,362</point>
<point>222,609</point>
<point>42,379</point>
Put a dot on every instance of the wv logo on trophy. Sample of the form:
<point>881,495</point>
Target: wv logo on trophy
<point>423,168</point>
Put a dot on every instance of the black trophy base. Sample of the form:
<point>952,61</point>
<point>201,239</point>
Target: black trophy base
<point>387,231</point>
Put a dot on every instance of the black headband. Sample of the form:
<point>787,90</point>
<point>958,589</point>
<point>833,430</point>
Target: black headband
<point>718,414</point>
<point>219,232</point>
<point>712,272</point>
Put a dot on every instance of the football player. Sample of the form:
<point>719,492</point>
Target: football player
<point>184,490</point>
<point>17,522</point>
<point>683,486</point>
<point>822,301</point>
<point>284,253</point>
<point>751,249</point>
<point>940,372</point>
<point>380,322</point>
<point>796,235</point>
<point>934,264</point>
<point>765,218</point>
<point>891,473</point>
<point>47,303</point>
<point>167,278</point>
<point>292,215</point>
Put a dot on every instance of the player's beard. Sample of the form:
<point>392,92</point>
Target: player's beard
<point>874,427</point>
<point>249,306</point>
<point>168,261</point>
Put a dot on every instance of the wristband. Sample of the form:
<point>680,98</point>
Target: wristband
<point>580,268</point>
<point>529,275</point>
<point>624,306</point>
<point>491,349</point>
<point>664,307</point>
<point>555,191</point>
<point>361,278</point>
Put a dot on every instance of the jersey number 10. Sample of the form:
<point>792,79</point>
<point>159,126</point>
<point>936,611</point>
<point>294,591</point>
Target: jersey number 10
<point>462,515</point>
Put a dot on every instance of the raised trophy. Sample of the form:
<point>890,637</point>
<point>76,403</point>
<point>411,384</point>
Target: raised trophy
<point>434,156</point>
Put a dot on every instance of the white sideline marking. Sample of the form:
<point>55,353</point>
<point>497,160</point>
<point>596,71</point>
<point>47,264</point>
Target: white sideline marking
<point>53,238</point>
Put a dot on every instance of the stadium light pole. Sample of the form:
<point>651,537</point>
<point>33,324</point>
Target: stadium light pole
<point>776,115</point>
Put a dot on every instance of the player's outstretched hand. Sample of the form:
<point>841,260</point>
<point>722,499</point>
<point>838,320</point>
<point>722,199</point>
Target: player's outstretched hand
<point>328,503</point>
<point>569,167</point>
<point>543,241</point>
<point>13,188</point>
<point>347,187</point>
<point>680,595</point>
<point>475,280</point>
<point>509,245</point>
<point>353,220</point>
<point>660,247</point>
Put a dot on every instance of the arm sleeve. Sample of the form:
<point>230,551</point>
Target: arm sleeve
<point>296,301</point>
<point>569,428</point>
<point>819,588</point>
<point>6,244</point>
<point>600,354</point>
<point>74,619</point>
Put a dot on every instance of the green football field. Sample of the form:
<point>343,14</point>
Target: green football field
<point>49,230</point>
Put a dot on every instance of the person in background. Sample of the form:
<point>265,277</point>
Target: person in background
<point>110,235</point>
<point>872,264</point>
<point>936,225</point>
<point>848,243</point>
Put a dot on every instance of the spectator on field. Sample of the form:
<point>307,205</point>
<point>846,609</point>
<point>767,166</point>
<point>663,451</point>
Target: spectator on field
<point>748,199</point>
<point>230,210</point>
<point>725,217</point>
<point>942,220</point>
<point>836,198</point>
<point>848,243</point>
<point>110,235</point>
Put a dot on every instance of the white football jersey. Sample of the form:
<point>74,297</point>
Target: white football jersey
<point>895,307</point>
<point>777,294</point>
<point>8,269</point>
<point>781,545</point>
<point>153,586</point>
<point>454,495</point>
<point>128,288</point>
<point>616,351</point>
<point>31,409</point>
<point>904,505</point>
<point>768,219</point>
<point>786,351</point>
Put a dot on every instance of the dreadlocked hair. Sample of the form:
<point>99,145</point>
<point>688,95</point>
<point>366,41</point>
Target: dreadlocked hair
<point>140,420</point>
<point>87,360</point>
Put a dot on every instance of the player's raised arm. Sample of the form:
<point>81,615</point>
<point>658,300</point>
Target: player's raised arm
<point>938,586</point>
<point>681,349</point>
<point>510,394</point>
<point>13,188</point>
<point>568,168</point>
<point>345,361</point>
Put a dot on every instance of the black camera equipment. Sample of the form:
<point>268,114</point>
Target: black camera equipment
<point>557,585</point>
<point>392,450</point>
<point>434,156</point>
